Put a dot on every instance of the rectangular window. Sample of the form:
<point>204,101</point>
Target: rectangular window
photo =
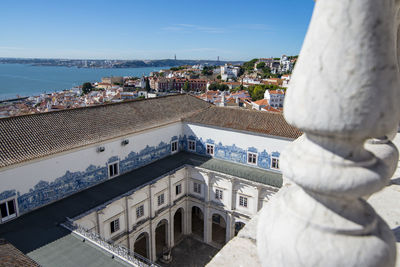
<point>178,189</point>
<point>197,188</point>
<point>114,225</point>
<point>275,163</point>
<point>251,158</point>
<point>210,150</point>
<point>243,201</point>
<point>139,211</point>
<point>7,210</point>
<point>174,146</point>
<point>160,199</point>
<point>218,194</point>
<point>113,169</point>
<point>191,145</point>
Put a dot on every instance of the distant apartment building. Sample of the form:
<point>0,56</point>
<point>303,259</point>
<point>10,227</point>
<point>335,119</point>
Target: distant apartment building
<point>251,80</point>
<point>285,64</point>
<point>229,72</point>
<point>226,99</point>
<point>176,84</point>
<point>103,85</point>
<point>272,101</point>
<point>113,80</point>
<point>277,65</point>
<point>271,63</point>
<point>275,98</point>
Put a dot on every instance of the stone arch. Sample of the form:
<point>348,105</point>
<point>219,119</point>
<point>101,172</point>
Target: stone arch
<point>198,206</point>
<point>218,212</point>
<point>198,217</point>
<point>161,237</point>
<point>218,229</point>
<point>142,244</point>
<point>178,221</point>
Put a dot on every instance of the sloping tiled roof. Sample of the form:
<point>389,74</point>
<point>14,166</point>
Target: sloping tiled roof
<point>33,136</point>
<point>247,120</point>
<point>269,108</point>
<point>10,256</point>
<point>262,102</point>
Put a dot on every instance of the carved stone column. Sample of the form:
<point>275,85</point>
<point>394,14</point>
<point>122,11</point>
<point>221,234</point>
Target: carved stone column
<point>344,90</point>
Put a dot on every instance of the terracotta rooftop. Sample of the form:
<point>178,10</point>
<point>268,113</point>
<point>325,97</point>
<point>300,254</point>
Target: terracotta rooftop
<point>262,102</point>
<point>10,256</point>
<point>27,137</point>
<point>247,120</point>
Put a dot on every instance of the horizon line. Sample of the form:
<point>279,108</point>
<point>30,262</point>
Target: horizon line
<point>118,59</point>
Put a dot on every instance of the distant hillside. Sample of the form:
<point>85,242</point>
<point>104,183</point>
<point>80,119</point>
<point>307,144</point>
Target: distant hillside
<point>170,63</point>
<point>100,63</point>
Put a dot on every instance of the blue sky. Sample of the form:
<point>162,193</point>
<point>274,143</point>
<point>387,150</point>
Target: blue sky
<point>153,29</point>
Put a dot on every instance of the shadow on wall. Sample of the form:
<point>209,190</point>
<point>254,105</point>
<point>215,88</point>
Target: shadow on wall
<point>41,227</point>
<point>395,181</point>
<point>45,192</point>
<point>396,232</point>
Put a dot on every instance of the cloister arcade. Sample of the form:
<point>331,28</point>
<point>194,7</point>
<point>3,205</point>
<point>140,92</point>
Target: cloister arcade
<point>186,220</point>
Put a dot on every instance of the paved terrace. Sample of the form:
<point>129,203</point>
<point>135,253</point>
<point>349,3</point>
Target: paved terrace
<point>34,230</point>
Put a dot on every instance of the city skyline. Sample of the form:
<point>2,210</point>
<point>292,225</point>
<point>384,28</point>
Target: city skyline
<point>128,31</point>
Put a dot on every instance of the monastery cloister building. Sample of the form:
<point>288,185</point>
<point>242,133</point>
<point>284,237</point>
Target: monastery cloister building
<point>148,172</point>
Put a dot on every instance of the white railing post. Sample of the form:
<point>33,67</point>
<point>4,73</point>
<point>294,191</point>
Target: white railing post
<point>344,91</point>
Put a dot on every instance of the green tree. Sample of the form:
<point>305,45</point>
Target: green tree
<point>219,77</point>
<point>241,71</point>
<point>223,87</point>
<point>249,65</point>
<point>260,65</point>
<point>186,87</point>
<point>213,87</point>
<point>87,88</point>
<point>239,88</point>
<point>218,86</point>
<point>258,92</point>
<point>207,71</point>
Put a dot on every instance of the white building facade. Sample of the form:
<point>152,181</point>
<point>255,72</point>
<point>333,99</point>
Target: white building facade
<point>239,168</point>
<point>275,98</point>
<point>229,72</point>
<point>210,206</point>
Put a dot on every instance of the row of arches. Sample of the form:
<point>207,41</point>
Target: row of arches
<point>218,231</point>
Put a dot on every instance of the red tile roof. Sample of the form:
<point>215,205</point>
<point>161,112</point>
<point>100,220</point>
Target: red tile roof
<point>270,123</point>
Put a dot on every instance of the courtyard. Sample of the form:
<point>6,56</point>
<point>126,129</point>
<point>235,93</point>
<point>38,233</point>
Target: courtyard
<point>192,253</point>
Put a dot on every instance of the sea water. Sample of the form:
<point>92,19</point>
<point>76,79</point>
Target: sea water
<point>26,80</point>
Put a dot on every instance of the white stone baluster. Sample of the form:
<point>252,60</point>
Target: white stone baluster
<point>344,90</point>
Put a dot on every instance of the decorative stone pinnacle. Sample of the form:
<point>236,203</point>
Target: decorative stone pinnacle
<point>344,91</point>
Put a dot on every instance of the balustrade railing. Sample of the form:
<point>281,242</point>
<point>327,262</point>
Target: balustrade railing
<point>344,91</point>
<point>119,251</point>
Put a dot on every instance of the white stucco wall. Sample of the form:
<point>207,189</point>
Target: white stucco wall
<point>231,137</point>
<point>24,177</point>
<point>237,143</point>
